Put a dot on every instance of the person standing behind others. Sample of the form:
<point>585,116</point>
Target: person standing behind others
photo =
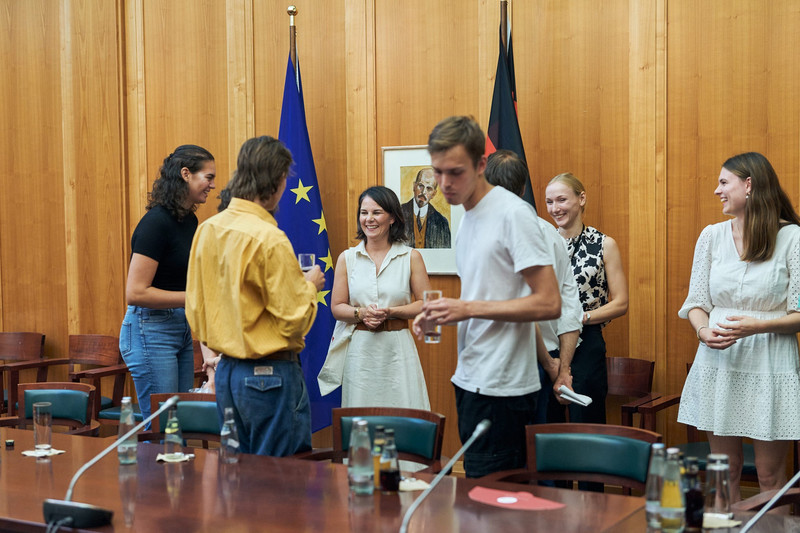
<point>743,306</point>
<point>507,283</point>
<point>155,340</point>
<point>377,288</point>
<point>603,291</point>
<point>248,301</point>
<point>506,169</point>
<point>425,226</point>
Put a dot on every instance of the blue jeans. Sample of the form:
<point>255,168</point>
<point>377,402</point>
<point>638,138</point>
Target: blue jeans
<point>503,447</point>
<point>270,404</point>
<point>156,344</point>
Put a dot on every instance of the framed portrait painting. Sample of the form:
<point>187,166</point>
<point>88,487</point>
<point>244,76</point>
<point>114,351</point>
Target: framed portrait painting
<point>431,223</point>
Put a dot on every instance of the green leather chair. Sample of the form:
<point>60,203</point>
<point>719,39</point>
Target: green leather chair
<point>418,434</point>
<point>614,455</point>
<point>197,416</point>
<point>72,406</point>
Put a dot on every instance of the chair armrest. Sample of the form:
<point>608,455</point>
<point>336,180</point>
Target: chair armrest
<point>755,503</point>
<point>518,475</point>
<point>92,429</point>
<point>650,409</point>
<point>317,454</point>
<point>36,363</point>
<point>101,372</point>
<point>10,421</point>
<point>631,408</point>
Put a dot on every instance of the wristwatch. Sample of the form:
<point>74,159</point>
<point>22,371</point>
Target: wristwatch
<point>355,314</point>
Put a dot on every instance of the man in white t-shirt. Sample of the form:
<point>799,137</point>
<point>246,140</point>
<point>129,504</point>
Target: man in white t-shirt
<point>507,283</point>
<point>506,169</point>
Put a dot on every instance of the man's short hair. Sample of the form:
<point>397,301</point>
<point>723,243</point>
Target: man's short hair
<point>506,169</point>
<point>262,164</point>
<point>453,131</point>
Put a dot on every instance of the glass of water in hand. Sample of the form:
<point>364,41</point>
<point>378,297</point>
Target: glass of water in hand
<point>306,261</point>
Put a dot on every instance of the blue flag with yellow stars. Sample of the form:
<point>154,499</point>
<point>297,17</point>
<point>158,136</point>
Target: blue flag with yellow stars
<point>300,216</point>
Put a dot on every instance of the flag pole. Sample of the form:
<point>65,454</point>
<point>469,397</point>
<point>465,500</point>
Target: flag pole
<point>292,11</point>
<point>504,23</point>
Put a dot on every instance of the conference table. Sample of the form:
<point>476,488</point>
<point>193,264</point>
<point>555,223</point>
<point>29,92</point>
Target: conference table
<point>274,494</point>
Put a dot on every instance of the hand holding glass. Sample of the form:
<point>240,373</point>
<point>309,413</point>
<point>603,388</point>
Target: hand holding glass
<point>432,330</point>
<point>42,426</point>
<point>306,261</point>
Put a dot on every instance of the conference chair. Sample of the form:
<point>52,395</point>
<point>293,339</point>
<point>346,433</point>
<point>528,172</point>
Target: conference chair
<point>604,453</point>
<point>631,378</point>
<point>92,358</point>
<point>418,434</point>
<point>199,374</point>
<point>21,351</point>
<point>72,406</point>
<point>197,417</point>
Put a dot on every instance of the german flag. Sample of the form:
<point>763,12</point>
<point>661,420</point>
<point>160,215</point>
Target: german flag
<point>503,131</point>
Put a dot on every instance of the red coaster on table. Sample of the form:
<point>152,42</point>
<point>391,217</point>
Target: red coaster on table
<point>524,501</point>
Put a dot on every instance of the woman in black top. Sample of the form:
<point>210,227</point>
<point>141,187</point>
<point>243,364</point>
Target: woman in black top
<point>155,340</point>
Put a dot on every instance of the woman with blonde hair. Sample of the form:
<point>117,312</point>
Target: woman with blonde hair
<point>743,306</point>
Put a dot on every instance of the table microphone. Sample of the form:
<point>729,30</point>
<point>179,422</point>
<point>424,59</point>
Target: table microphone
<point>770,503</point>
<point>79,515</point>
<point>480,429</point>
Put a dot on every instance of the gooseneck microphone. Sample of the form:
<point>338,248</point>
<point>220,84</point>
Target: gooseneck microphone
<point>480,429</point>
<point>78,515</point>
<point>770,503</point>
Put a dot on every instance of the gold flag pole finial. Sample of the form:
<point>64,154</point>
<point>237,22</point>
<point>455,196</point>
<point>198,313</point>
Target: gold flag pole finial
<point>292,11</point>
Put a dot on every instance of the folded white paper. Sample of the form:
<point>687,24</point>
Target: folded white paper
<point>412,484</point>
<point>573,396</point>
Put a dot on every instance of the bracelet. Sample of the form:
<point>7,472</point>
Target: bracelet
<point>588,318</point>
<point>355,314</point>
<point>698,331</point>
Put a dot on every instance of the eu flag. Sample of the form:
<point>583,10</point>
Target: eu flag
<point>301,217</point>
<point>503,131</point>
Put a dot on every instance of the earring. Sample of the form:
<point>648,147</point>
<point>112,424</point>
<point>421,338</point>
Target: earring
<point>747,196</point>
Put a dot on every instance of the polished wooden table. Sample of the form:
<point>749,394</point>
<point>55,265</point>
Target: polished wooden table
<point>270,494</point>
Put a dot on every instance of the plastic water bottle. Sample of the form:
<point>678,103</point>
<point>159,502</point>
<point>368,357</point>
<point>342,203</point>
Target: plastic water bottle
<point>673,502</point>
<point>127,448</point>
<point>377,450</point>
<point>229,439</point>
<point>173,439</point>
<point>359,459</point>
<point>390,468</point>
<point>652,491</point>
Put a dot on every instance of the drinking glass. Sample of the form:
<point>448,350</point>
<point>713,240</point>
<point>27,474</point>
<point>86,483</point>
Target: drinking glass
<point>306,261</point>
<point>432,330</point>
<point>42,425</point>
<point>718,492</point>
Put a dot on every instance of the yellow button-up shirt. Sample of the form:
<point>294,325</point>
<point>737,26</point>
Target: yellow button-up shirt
<point>246,296</point>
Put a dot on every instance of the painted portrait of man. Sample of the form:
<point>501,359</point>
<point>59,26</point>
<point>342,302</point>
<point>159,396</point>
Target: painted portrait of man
<point>425,226</point>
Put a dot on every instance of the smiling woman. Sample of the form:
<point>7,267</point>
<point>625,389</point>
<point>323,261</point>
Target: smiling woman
<point>155,340</point>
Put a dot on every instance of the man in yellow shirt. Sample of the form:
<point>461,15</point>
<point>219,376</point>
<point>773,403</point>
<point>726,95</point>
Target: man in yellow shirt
<point>248,300</point>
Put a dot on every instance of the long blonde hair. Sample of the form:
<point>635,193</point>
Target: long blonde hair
<point>569,179</point>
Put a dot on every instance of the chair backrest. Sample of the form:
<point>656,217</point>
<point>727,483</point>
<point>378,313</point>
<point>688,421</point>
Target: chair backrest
<point>418,433</point>
<point>92,352</point>
<point>72,404</point>
<point>197,415</point>
<point>21,346</point>
<point>629,377</point>
<point>605,453</point>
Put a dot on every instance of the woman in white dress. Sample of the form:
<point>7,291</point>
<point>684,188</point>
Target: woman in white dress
<point>743,306</point>
<point>378,287</point>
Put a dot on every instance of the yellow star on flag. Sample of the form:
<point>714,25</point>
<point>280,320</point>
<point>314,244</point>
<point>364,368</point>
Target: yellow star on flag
<point>301,192</point>
<point>320,222</point>
<point>321,297</point>
<point>327,260</point>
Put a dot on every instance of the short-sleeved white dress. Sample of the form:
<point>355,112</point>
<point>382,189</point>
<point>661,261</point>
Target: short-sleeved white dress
<point>751,389</point>
<point>382,369</point>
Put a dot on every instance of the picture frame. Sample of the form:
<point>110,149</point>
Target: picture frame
<point>401,164</point>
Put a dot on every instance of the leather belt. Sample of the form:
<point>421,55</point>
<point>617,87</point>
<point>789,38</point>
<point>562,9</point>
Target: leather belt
<point>285,355</point>
<point>393,324</point>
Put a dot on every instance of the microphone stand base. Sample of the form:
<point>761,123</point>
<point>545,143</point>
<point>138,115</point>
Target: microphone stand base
<point>83,515</point>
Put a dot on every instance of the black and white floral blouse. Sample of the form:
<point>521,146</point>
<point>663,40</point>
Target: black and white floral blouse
<point>586,255</point>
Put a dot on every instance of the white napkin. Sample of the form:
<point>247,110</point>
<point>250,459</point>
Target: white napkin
<point>411,484</point>
<point>174,457</point>
<point>42,453</point>
<point>573,396</point>
<point>711,521</point>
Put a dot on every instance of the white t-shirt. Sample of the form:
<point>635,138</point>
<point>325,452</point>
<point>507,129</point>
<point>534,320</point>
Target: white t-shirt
<point>497,239</point>
<point>571,308</point>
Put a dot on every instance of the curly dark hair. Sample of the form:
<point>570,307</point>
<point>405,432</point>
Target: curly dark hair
<point>387,199</point>
<point>169,189</point>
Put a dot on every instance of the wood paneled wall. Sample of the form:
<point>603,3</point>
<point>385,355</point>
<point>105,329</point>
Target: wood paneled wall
<point>641,100</point>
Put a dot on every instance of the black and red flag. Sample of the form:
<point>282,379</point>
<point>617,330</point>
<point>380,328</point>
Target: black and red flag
<point>503,131</point>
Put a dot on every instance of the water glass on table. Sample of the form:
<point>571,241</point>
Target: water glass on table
<point>42,426</point>
<point>306,261</point>
<point>432,330</point>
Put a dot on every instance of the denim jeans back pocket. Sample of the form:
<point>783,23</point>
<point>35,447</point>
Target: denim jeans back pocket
<point>263,383</point>
<point>125,338</point>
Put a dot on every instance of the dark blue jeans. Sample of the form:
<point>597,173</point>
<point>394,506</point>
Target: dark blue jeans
<point>156,344</point>
<point>503,446</point>
<point>270,404</point>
